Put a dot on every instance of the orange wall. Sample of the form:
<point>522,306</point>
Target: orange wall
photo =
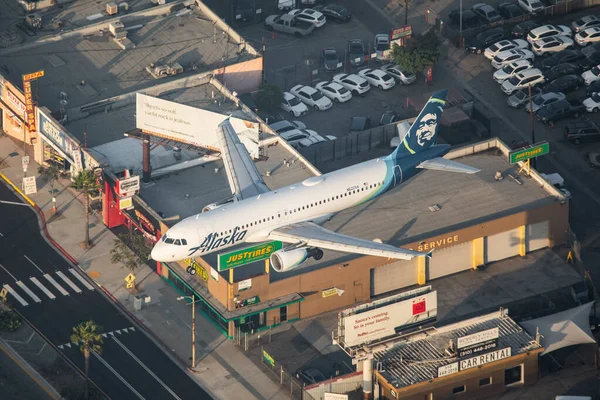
<point>14,119</point>
<point>243,77</point>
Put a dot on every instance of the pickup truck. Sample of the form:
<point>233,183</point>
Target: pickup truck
<point>288,24</point>
<point>560,109</point>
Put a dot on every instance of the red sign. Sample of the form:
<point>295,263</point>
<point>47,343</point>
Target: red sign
<point>419,306</point>
<point>404,32</point>
<point>29,109</point>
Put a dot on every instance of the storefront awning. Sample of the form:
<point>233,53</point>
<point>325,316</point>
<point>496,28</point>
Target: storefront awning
<point>562,329</point>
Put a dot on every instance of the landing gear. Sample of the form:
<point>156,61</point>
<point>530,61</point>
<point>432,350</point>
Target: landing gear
<point>315,253</point>
<point>191,270</point>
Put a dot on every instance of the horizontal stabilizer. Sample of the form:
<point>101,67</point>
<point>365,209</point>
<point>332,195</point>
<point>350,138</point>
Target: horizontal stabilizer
<point>443,164</point>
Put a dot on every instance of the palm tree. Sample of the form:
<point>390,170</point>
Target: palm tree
<point>50,174</point>
<point>87,335</point>
<point>85,182</point>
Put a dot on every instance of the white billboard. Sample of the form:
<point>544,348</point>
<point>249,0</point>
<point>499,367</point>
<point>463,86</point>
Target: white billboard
<point>183,123</point>
<point>381,322</point>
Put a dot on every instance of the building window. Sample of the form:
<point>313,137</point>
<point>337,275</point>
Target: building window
<point>513,376</point>
<point>459,389</point>
<point>485,381</point>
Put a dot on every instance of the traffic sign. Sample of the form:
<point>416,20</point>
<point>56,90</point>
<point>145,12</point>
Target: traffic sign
<point>25,161</point>
<point>524,154</point>
<point>130,279</point>
<point>29,185</point>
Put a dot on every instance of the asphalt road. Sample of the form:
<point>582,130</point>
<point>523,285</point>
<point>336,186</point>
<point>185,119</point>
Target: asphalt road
<point>54,298</point>
<point>16,384</point>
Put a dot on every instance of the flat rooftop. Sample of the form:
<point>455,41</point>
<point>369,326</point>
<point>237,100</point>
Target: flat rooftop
<point>417,359</point>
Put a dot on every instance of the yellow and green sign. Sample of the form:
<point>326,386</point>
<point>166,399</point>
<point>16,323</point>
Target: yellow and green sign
<point>536,150</point>
<point>248,255</point>
<point>268,359</point>
<point>200,270</point>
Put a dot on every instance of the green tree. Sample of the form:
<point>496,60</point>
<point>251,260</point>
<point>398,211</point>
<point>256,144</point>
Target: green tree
<point>269,96</point>
<point>85,183</point>
<point>50,174</point>
<point>131,250</point>
<point>88,336</point>
<point>419,52</point>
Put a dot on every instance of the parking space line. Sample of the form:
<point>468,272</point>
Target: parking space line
<point>29,292</point>
<point>29,259</point>
<point>56,285</point>
<point>81,279</point>
<point>5,270</point>
<point>15,295</point>
<point>68,281</point>
<point>42,288</point>
<point>111,369</point>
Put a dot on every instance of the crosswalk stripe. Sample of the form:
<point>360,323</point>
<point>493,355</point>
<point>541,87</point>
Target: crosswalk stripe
<point>68,281</point>
<point>56,285</point>
<point>42,288</point>
<point>29,292</point>
<point>16,295</point>
<point>81,279</point>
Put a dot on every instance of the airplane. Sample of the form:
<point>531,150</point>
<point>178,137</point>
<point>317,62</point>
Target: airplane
<point>292,214</point>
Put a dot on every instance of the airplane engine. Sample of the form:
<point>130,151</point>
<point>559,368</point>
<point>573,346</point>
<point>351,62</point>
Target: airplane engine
<point>283,260</point>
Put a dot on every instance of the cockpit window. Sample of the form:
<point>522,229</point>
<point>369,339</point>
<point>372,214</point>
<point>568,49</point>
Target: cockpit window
<point>169,240</point>
<point>177,242</point>
<point>184,242</point>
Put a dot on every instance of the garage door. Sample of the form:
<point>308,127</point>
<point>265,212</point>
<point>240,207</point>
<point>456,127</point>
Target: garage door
<point>397,275</point>
<point>450,260</point>
<point>502,245</point>
<point>537,236</point>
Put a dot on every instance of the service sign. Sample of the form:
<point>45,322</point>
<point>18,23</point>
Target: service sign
<point>485,358</point>
<point>129,185</point>
<point>536,150</point>
<point>18,104</point>
<point>29,185</point>
<point>29,108</point>
<point>248,255</point>
<point>245,284</point>
<point>448,369</point>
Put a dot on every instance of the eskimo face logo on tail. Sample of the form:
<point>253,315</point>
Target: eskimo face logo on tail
<point>426,128</point>
<point>213,241</point>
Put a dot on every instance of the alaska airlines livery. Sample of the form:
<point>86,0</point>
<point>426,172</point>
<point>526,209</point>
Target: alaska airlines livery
<point>293,213</point>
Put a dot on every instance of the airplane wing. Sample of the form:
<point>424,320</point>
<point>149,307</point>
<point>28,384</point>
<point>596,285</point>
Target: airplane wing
<point>244,179</point>
<point>311,234</point>
<point>443,164</point>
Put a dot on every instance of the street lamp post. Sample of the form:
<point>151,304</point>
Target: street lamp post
<point>191,298</point>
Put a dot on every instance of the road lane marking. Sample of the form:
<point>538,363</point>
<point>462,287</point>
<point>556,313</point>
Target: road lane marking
<point>81,279</point>
<point>29,292</point>
<point>29,259</point>
<point>13,203</point>
<point>144,366</point>
<point>42,288</point>
<point>68,281</point>
<point>16,295</point>
<point>56,285</point>
<point>12,276</point>
<point>111,369</point>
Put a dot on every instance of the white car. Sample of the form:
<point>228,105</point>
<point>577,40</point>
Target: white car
<point>311,97</point>
<point>522,80</point>
<point>511,69</point>
<point>592,75</point>
<point>590,35</point>
<point>314,140</point>
<point>546,31</point>
<point>584,23</point>
<point>551,45</point>
<point>378,78</point>
<point>314,17</point>
<point>405,78</point>
<point>292,105</point>
<point>354,83</point>
<point>531,6</point>
<point>295,136</point>
<point>284,126</point>
<point>592,103</point>
<point>504,45</point>
<point>510,56</point>
<point>334,91</point>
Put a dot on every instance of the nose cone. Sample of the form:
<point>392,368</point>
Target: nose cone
<point>160,252</point>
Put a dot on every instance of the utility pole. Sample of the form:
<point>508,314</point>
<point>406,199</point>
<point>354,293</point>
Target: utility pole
<point>533,160</point>
<point>193,300</point>
<point>406,12</point>
<point>460,42</point>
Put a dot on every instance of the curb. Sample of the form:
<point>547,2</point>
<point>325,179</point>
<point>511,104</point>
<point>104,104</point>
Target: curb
<point>16,189</point>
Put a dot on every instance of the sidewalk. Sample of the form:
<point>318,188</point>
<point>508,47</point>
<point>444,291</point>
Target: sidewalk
<point>221,367</point>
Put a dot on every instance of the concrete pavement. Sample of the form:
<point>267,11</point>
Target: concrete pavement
<point>222,368</point>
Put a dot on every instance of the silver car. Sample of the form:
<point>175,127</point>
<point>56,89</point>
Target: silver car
<point>521,97</point>
<point>543,99</point>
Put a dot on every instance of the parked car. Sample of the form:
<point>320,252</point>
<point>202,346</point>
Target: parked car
<point>531,6</point>
<point>378,78</point>
<point>592,48</point>
<point>312,140</point>
<point>311,97</point>
<point>470,20</point>
<point>594,87</point>
<point>564,84</point>
<point>484,39</point>
<point>486,12</point>
<point>354,83</point>
<point>295,136</point>
<point>560,109</point>
<point>335,12</point>
<point>560,70</point>
<point>358,124</point>
<point>381,42</point>
<point>510,10</point>
<point>521,29</point>
<point>293,105</point>
<point>590,61</point>
<point>330,59</point>
<point>285,126</point>
<point>521,97</point>
<point>288,24</point>
<point>581,131</point>
<point>311,16</point>
<point>244,10</point>
<point>510,56</point>
<point>546,31</point>
<point>405,78</point>
<point>551,45</point>
<point>584,23</point>
<point>588,36</point>
<point>522,80</point>
<point>565,56</point>
<point>543,99</point>
<point>504,45</point>
<point>388,117</point>
<point>310,375</point>
<point>593,75</point>
<point>356,52</point>
<point>594,159</point>
<point>511,69</point>
<point>592,103</point>
<point>334,91</point>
